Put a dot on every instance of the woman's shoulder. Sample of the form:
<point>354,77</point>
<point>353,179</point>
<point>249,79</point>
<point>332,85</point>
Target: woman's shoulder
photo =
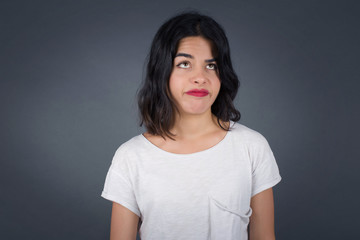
<point>131,145</point>
<point>246,134</point>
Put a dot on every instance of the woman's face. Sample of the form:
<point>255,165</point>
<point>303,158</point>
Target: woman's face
<point>194,83</point>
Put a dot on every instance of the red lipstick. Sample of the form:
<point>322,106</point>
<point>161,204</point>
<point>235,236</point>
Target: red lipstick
<point>198,92</point>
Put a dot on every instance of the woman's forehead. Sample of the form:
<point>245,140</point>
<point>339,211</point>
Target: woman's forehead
<point>196,44</point>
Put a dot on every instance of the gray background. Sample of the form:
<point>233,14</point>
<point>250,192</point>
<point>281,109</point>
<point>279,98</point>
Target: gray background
<point>70,71</point>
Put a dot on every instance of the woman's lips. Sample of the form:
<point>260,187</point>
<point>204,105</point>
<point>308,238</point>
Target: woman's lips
<point>198,92</point>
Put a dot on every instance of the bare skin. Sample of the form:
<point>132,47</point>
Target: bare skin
<point>123,223</point>
<point>186,144</point>
<point>195,126</point>
<point>261,225</point>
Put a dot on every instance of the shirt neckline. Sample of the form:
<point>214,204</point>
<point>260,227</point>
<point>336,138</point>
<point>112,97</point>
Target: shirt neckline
<point>217,145</point>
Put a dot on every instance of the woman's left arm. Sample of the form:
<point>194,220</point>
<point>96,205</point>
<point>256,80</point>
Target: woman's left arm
<point>261,226</point>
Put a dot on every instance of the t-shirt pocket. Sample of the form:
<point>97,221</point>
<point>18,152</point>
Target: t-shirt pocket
<point>228,222</point>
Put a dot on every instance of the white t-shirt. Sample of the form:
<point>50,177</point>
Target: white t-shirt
<point>200,196</point>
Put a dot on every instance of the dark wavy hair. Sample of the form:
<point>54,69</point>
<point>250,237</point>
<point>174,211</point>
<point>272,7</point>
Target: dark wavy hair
<point>155,102</point>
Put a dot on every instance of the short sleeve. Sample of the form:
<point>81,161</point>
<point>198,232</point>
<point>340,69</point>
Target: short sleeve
<point>118,187</point>
<point>265,171</point>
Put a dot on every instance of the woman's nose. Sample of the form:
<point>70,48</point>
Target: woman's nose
<point>199,77</point>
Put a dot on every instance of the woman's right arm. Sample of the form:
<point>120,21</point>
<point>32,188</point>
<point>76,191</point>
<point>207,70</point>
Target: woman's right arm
<point>124,223</point>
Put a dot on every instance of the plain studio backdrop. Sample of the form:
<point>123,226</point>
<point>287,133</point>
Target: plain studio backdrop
<point>70,71</point>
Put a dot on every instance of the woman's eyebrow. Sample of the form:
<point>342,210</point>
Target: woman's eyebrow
<point>210,60</point>
<point>192,57</point>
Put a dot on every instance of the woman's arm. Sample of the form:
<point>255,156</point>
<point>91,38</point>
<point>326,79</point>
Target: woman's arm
<point>124,223</point>
<point>261,226</point>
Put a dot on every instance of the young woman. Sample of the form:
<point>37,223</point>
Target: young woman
<point>196,173</point>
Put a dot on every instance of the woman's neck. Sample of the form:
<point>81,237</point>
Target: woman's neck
<point>194,126</point>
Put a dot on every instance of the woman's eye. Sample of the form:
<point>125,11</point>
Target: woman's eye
<point>183,65</point>
<point>211,66</point>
